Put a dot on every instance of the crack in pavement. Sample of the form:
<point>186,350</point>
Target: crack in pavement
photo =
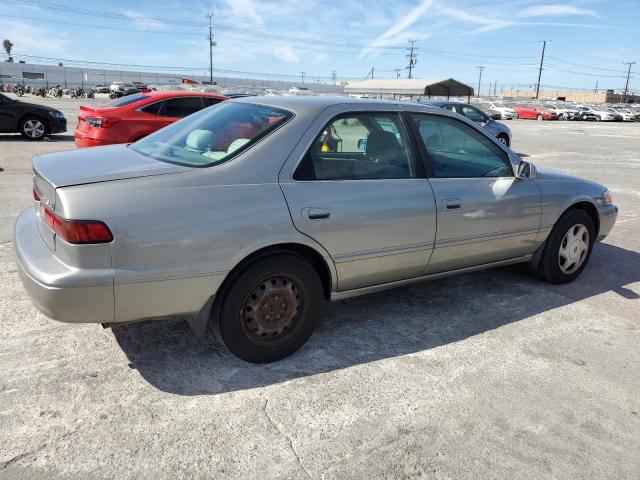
<point>284,435</point>
<point>8,463</point>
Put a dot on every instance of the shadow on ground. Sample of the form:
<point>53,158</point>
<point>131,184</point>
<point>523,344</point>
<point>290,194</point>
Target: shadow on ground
<point>383,325</point>
<point>49,138</point>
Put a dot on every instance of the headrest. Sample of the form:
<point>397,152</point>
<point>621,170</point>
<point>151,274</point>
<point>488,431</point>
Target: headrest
<point>200,140</point>
<point>237,143</point>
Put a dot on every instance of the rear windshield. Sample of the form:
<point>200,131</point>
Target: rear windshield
<point>136,97</point>
<point>213,135</point>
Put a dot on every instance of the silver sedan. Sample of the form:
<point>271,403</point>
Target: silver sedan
<point>246,216</point>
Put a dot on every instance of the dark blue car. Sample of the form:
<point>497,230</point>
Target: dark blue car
<point>499,130</point>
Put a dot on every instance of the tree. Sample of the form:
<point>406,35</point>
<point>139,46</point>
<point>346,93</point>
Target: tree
<point>8,46</point>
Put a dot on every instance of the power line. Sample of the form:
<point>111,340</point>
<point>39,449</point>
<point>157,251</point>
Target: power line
<point>589,67</point>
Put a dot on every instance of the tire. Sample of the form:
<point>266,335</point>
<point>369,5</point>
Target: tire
<point>269,309</point>
<point>539,117</point>
<point>553,268</point>
<point>597,119</point>
<point>33,128</point>
<point>503,139</point>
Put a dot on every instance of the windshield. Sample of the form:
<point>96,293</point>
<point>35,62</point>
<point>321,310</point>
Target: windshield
<point>213,135</point>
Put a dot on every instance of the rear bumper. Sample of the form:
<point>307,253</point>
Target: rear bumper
<point>83,142</point>
<point>60,291</point>
<point>608,216</point>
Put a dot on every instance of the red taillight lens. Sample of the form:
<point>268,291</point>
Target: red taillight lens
<point>77,231</point>
<point>36,197</point>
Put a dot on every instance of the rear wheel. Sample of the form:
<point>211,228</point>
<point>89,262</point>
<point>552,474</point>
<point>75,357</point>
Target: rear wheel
<point>539,117</point>
<point>33,128</point>
<point>269,309</point>
<point>568,248</point>
<point>502,138</point>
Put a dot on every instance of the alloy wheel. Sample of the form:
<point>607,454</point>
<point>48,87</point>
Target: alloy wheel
<point>34,128</point>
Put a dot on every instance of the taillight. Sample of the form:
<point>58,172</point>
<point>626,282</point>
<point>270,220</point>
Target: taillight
<point>101,122</point>
<point>76,231</point>
<point>36,197</point>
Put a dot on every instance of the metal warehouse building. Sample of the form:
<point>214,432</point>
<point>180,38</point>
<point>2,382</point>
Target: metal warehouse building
<point>411,87</point>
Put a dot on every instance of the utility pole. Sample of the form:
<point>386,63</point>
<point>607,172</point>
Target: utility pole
<point>334,75</point>
<point>595,90</point>
<point>412,57</point>
<point>626,85</point>
<point>372,70</point>
<point>302,76</point>
<point>495,87</point>
<point>398,70</point>
<point>481,68</point>
<point>211,44</point>
<point>544,46</point>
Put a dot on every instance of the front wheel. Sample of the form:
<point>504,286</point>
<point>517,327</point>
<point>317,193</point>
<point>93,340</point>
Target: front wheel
<point>568,248</point>
<point>503,139</point>
<point>33,128</point>
<point>269,310</point>
<point>539,117</point>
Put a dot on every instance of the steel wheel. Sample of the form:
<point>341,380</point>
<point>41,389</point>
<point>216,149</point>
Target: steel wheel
<point>573,249</point>
<point>271,309</point>
<point>503,140</point>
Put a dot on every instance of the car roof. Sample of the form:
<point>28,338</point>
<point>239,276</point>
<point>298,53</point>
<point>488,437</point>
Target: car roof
<point>182,93</point>
<point>305,106</point>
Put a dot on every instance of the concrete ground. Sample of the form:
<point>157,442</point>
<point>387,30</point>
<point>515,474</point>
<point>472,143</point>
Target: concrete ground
<point>488,375</point>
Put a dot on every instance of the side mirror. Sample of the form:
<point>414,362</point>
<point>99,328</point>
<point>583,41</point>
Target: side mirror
<point>526,170</point>
<point>362,144</point>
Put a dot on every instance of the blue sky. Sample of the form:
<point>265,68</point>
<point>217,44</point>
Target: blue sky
<point>589,38</point>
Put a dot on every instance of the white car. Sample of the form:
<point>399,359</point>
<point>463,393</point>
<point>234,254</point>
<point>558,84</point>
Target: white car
<point>627,115</point>
<point>506,113</point>
<point>600,114</point>
<point>115,86</point>
<point>564,112</point>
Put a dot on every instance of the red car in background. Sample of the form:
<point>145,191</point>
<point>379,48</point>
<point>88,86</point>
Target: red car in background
<point>135,116</point>
<point>534,112</point>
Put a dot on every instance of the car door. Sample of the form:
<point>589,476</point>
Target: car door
<point>485,213</point>
<point>359,189</point>
<point>7,114</point>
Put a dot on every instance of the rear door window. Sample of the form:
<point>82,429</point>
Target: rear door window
<point>181,106</point>
<point>208,101</point>
<point>359,146</point>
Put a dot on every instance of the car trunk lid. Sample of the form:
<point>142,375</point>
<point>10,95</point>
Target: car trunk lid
<point>92,165</point>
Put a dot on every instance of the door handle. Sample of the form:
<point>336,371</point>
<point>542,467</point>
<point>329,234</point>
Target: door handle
<point>316,213</point>
<point>452,204</point>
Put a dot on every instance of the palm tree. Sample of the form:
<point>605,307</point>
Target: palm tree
<point>8,46</point>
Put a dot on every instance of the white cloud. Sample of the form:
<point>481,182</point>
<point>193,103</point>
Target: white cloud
<point>286,53</point>
<point>391,36</point>
<point>555,10</point>
<point>143,21</point>
<point>243,9</point>
<point>27,38</point>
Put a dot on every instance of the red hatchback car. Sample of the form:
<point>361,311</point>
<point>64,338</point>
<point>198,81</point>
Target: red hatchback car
<point>534,112</point>
<point>135,116</point>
